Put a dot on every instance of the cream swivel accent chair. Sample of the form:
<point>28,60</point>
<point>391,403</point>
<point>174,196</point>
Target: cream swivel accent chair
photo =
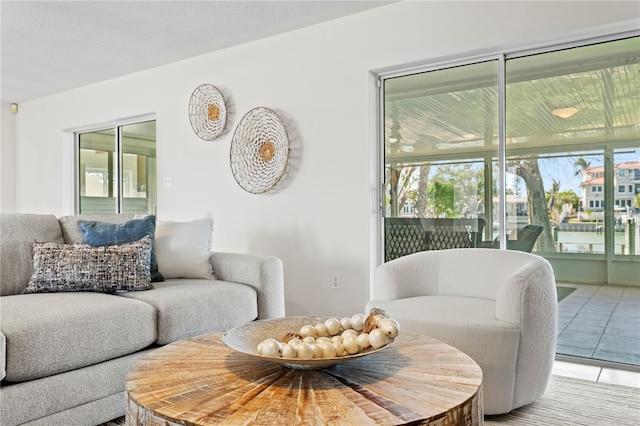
<point>497,306</point>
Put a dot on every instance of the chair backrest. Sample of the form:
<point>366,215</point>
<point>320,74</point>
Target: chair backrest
<point>527,237</point>
<point>478,272</point>
<point>468,272</point>
<point>405,236</point>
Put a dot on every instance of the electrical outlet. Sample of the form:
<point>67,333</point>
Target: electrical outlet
<point>335,282</point>
<point>168,182</point>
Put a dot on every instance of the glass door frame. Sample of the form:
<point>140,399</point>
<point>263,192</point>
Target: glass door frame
<point>115,125</point>
<point>501,59</point>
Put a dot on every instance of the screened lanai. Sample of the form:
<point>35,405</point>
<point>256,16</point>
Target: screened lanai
<point>550,139</point>
<point>563,113</point>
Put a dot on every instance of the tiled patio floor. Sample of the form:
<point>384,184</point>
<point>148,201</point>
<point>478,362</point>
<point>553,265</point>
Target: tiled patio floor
<point>600,323</point>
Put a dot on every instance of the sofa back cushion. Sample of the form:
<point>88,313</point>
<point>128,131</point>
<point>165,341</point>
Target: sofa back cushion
<point>18,231</point>
<point>71,231</point>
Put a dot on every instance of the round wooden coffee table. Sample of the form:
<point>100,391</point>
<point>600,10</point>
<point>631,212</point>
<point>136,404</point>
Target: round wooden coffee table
<point>200,381</point>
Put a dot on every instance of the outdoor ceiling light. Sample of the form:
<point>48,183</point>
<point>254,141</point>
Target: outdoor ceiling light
<point>564,112</point>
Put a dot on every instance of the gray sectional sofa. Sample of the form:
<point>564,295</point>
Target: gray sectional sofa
<point>64,356</point>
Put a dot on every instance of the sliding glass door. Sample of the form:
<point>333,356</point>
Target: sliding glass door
<point>566,182</point>
<point>440,137</point>
<point>568,112</point>
<point>537,152</point>
<point>117,169</point>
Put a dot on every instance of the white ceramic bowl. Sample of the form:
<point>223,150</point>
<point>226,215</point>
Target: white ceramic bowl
<point>246,338</point>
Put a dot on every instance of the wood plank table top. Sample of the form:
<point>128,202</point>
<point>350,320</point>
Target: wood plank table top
<point>200,381</point>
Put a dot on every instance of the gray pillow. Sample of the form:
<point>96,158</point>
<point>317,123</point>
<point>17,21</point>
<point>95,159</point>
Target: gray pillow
<point>182,249</point>
<point>80,267</point>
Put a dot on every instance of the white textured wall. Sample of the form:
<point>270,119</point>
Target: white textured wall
<point>319,220</point>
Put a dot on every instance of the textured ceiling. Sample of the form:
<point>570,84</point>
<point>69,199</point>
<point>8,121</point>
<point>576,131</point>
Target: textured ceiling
<point>52,46</point>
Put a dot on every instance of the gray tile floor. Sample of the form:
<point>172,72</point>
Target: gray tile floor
<point>600,323</point>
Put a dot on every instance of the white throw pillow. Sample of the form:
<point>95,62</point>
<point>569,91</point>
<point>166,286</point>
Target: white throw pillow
<point>182,249</point>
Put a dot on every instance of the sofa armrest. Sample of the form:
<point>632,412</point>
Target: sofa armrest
<point>264,273</point>
<point>3,355</point>
<point>407,276</point>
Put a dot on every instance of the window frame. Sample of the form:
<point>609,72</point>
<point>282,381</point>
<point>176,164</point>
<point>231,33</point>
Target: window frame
<point>116,125</point>
<point>608,148</point>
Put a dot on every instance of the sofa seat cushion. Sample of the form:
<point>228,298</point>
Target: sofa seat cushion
<point>49,333</point>
<point>469,324</point>
<point>190,307</point>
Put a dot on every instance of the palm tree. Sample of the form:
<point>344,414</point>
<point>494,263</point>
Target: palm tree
<point>581,164</point>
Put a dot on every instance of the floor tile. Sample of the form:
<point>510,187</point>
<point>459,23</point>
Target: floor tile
<point>611,330</point>
<point>627,315</point>
<point>600,322</point>
<point>577,326</point>
<point>573,301</point>
<point>573,351</point>
<point>617,346</point>
<point>584,339</point>
<point>630,342</point>
<point>598,308</point>
<point>605,301</point>
<point>606,290</point>
<point>568,310</point>
<point>590,320</point>
<point>624,325</point>
<point>576,371</point>
<point>620,377</point>
<point>616,357</point>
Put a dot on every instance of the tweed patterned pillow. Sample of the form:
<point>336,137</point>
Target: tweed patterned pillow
<point>80,267</point>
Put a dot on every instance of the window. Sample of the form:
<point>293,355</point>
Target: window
<point>117,169</point>
<point>408,209</point>
<point>570,123</point>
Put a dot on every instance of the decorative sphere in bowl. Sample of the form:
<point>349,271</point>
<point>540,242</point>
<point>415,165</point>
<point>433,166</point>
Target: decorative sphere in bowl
<point>246,338</point>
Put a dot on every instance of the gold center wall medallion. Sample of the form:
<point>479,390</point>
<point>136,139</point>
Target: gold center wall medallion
<point>213,112</point>
<point>267,151</point>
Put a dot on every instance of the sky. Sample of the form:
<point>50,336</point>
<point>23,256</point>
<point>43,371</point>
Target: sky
<point>563,169</point>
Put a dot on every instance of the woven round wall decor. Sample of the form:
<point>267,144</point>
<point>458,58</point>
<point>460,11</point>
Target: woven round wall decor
<point>207,112</point>
<point>259,150</point>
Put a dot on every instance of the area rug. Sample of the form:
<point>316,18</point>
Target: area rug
<point>573,402</point>
<point>564,291</point>
<point>567,402</point>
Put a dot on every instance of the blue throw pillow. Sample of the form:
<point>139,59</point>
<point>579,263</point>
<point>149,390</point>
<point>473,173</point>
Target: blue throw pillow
<point>99,234</point>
